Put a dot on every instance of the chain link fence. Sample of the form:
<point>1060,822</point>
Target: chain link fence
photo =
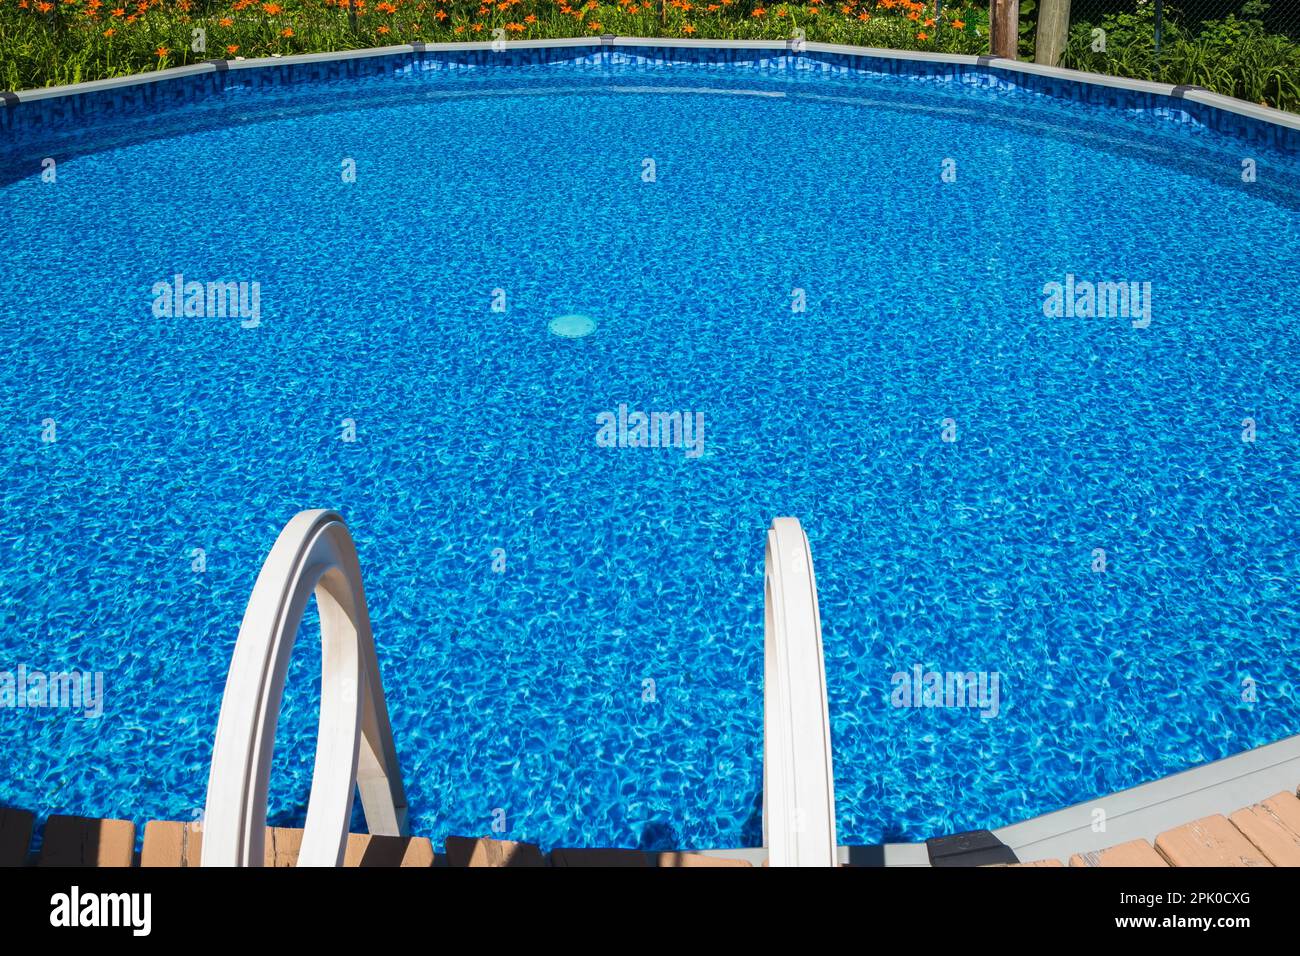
<point>1249,49</point>
<point>1190,18</point>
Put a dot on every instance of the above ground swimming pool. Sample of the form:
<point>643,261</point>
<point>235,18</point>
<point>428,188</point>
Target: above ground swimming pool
<point>464,276</point>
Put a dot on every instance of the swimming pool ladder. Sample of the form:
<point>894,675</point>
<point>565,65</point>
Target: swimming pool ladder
<point>798,776</point>
<point>354,746</point>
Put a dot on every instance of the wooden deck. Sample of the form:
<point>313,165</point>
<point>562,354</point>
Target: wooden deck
<point>1263,834</point>
<point>89,842</point>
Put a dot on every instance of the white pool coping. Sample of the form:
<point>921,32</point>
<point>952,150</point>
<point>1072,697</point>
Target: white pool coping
<point>1194,94</point>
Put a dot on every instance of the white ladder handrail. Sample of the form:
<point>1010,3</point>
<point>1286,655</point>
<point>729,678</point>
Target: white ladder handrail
<point>354,746</point>
<point>798,778</point>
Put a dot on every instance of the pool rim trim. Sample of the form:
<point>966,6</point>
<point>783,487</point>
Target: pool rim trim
<point>1055,831</point>
<point>1014,68</point>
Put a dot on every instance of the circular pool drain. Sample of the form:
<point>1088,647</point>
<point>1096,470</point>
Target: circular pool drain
<point>573,326</point>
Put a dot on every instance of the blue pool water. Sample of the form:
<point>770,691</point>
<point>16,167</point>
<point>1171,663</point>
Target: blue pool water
<point>476,430</point>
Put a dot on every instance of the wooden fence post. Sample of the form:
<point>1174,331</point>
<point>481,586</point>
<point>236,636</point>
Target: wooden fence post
<point>1004,28</point>
<point>1053,31</point>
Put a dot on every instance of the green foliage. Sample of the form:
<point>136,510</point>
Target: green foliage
<point>52,42</point>
<point>1232,56</point>
<point>1027,26</point>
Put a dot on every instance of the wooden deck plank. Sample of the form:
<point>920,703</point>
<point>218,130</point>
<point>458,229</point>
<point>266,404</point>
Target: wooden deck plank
<point>1265,825</point>
<point>1286,808</point>
<point>1007,866</point>
<point>170,843</point>
<point>1037,863</point>
<point>1210,841</point>
<point>677,859</point>
<point>283,844</point>
<point>370,850</point>
<point>480,851</point>
<point>598,857</point>
<point>86,841</point>
<point>15,836</point>
<point>1132,853</point>
<point>180,844</point>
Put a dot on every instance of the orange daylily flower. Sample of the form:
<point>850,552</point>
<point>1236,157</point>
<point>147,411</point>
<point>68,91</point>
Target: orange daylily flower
<point>225,22</point>
<point>286,32</point>
<point>232,48</point>
<point>161,52</point>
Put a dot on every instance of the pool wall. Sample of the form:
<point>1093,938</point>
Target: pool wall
<point>31,114</point>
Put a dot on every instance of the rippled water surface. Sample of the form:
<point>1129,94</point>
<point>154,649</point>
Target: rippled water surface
<point>526,690</point>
